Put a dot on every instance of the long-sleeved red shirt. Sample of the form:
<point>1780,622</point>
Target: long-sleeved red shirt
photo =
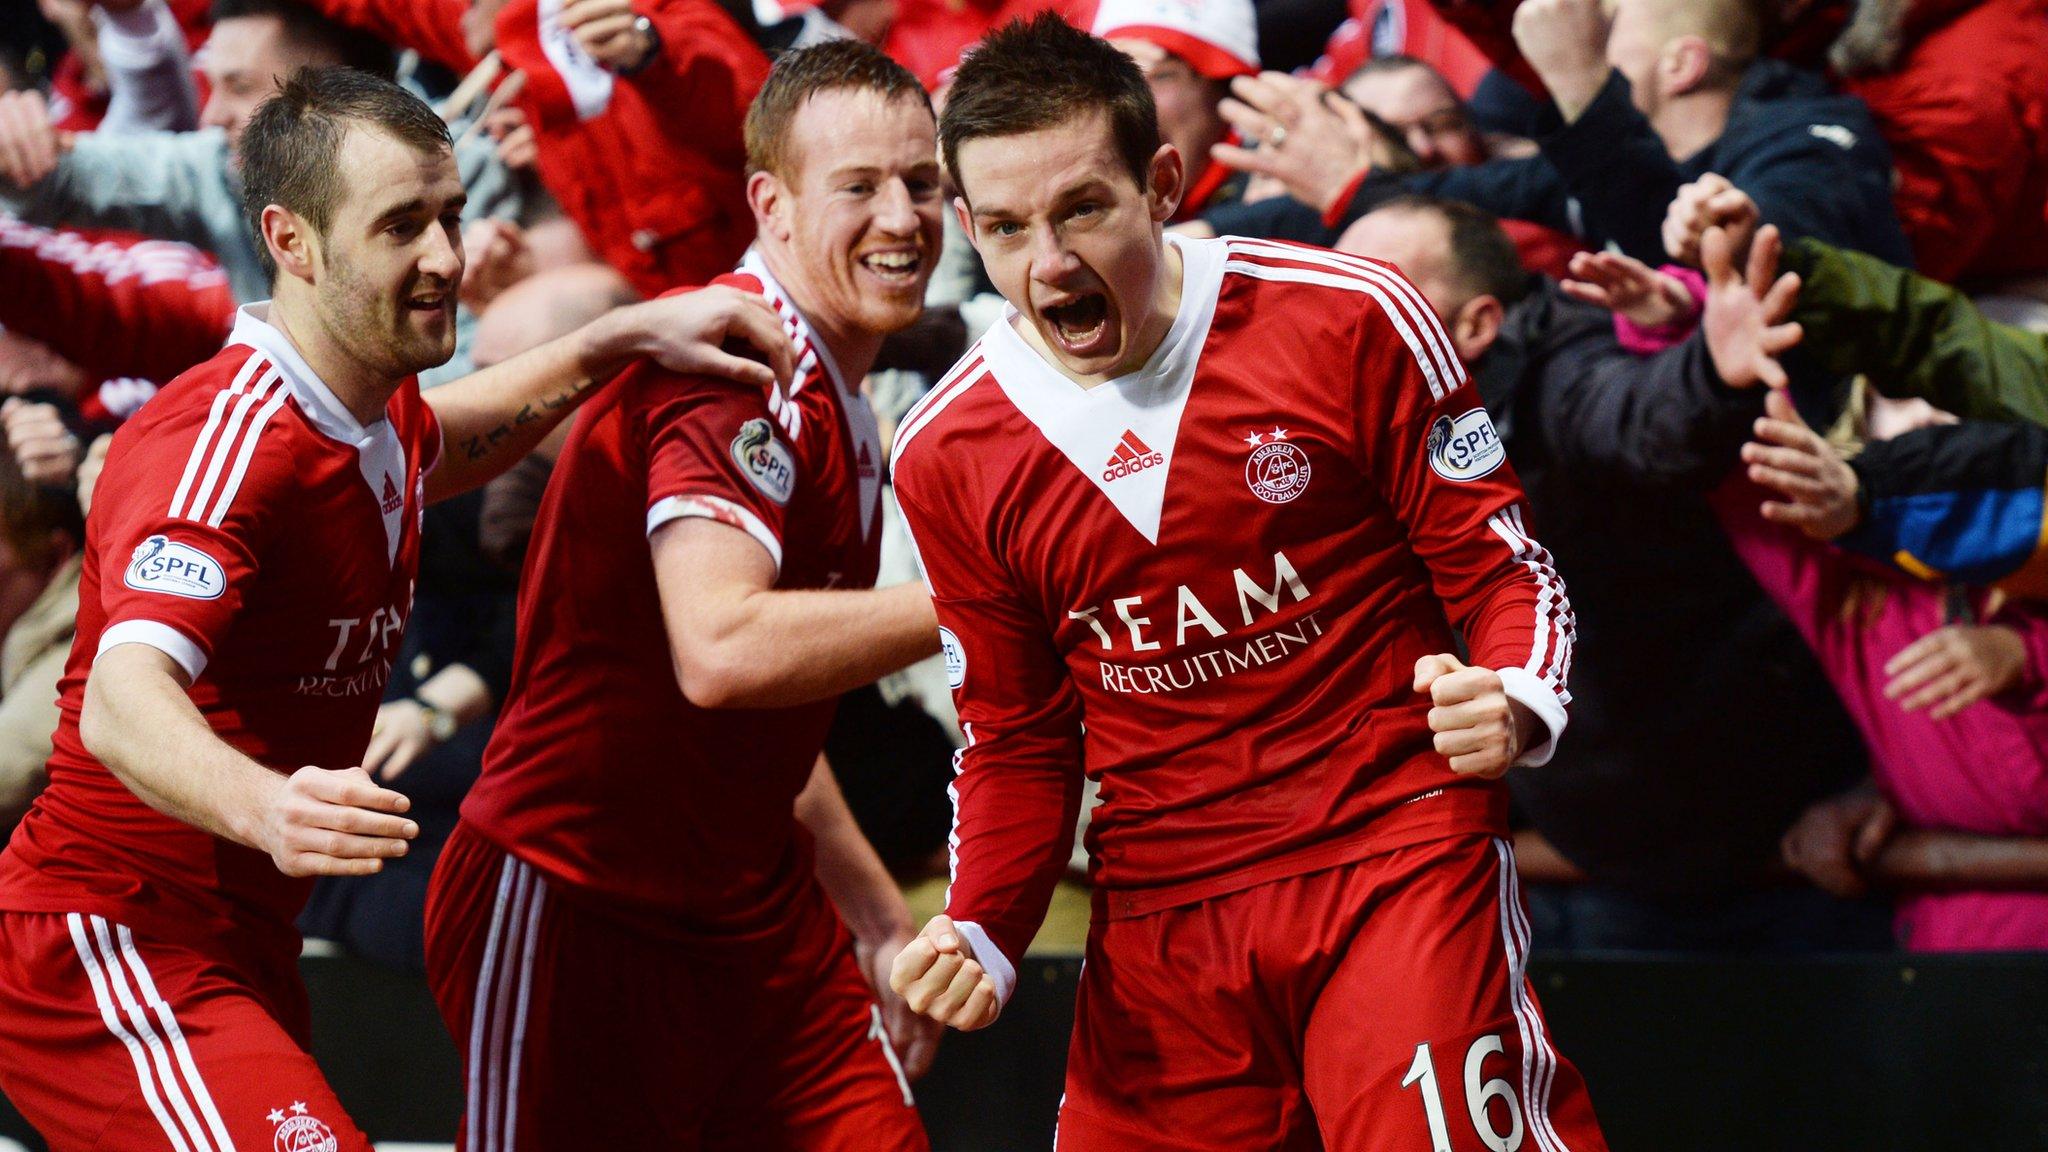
<point>1208,583</point>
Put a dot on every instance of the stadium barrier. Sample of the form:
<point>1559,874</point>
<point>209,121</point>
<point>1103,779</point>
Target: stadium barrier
<point>1913,1054</point>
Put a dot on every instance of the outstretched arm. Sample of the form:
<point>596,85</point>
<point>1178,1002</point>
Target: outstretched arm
<point>491,419</point>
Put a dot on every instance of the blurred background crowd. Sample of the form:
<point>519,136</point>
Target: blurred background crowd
<point>1812,658</point>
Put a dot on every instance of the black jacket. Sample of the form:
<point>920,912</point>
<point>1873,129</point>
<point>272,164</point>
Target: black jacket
<point>1810,157</point>
<point>1701,725</point>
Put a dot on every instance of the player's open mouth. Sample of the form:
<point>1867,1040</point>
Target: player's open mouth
<point>1081,325</point>
<point>898,269</point>
<point>436,302</point>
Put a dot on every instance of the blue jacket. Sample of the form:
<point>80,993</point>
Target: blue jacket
<point>1810,157</point>
<point>1961,502</point>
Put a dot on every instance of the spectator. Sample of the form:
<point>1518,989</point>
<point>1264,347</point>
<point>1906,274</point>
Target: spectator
<point>1413,119</point>
<point>1946,682</point>
<point>178,185</point>
<point>183,185</point>
<point>126,312</point>
<point>41,532</point>
<point>1960,91</point>
<point>635,112</point>
<point>149,72</point>
<point>1674,814</point>
<point>1672,91</point>
<point>1913,336</point>
<point>1190,52</point>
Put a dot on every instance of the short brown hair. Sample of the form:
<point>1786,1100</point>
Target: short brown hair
<point>802,74</point>
<point>1484,258</point>
<point>1035,74</point>
<point>291,150</point>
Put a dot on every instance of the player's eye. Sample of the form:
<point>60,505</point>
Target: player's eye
<point>404,229</point>
<point>861,188</point>
<point>1005,228</point>
<point>922,189</point>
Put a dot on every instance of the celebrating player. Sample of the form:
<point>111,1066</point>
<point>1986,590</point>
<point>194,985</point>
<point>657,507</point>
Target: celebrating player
<point>1201,516</point>
<point>625,933</point>
<point>248,574</point>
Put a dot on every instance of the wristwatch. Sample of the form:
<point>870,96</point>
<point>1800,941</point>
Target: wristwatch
<point>652,36</point>
<point>440,725</point>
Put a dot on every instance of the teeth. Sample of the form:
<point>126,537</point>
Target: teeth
<point>893,261</point>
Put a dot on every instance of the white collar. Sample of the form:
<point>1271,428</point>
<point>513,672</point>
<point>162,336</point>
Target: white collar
<point>321,406</point>
<point>756,265</point>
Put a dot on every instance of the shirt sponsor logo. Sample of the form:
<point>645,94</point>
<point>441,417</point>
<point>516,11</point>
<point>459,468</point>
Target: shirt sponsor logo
<point>1465,447</point>
<point>392,500</point>
<point>1277,471</point>
<point>1131,457</point>
<point>956,658</point>
<point>766,463</point>
<point>1271,631</point>
<point>164,565</point>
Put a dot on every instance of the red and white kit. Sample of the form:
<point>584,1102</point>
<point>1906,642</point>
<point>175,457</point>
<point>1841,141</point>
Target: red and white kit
<point>149,988</point>
<point>1209,581</point>
<point>621,837</point>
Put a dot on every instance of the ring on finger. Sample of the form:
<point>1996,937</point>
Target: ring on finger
<point>1276,137</point>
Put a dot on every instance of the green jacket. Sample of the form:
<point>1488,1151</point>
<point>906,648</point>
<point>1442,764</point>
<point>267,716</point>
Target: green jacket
<point>1915,337</point>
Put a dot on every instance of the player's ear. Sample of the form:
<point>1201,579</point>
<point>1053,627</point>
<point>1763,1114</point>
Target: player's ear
<point>291,241</point>
<point>1165,186</point>
<point>965,216</point>
<point>1475,327</point>
<point>767,197</point>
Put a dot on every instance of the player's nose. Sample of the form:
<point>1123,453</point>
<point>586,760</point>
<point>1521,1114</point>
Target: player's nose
<point>896,210</point>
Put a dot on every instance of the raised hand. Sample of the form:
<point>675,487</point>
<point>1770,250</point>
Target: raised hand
<point>1792,460</point>
<point>938,976</point>
<point>44,449</point>
<point>689,333</point>
<point>1312,142</point>
<point>334,822</point>
<point>1744,320</point>
<point>1953,667</point>
<point>1630,289</point>
<point>30,144</point>
<point>1477,727</point>
<point>609,30</point>
<point>1565,41</point>
<point>1711,201</point>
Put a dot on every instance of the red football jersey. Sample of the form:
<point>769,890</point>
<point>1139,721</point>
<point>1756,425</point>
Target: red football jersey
<point>1208,581</point>
<point>601,773</point>
<point>250,528</point>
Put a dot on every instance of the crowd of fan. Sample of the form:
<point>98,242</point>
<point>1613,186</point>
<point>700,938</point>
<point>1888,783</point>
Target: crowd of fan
<point>1812,661</point>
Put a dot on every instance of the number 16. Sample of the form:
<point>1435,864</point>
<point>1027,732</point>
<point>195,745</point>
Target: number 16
<point>1477,1095</point>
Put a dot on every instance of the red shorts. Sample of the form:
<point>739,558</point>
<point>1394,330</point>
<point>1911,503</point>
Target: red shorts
<point>110,1039</point>
<point>579,1031</point>
<point>1378,1005</point>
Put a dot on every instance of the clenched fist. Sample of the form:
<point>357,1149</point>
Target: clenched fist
<point>938,976</point>
<point>1477,726</point>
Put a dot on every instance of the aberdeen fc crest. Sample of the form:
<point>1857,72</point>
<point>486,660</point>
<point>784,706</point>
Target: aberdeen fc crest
<point>298,1132</point>
<point>1277,471</point>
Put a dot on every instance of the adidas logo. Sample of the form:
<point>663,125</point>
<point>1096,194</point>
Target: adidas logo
<point>1131,456</point>
<point>392,500</point>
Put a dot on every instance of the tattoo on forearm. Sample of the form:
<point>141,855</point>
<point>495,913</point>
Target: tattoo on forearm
<point>483,444</point>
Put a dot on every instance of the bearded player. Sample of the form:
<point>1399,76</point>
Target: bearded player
<point>1201,517</point>
<point>631,933</point>
<point>248,574</point>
